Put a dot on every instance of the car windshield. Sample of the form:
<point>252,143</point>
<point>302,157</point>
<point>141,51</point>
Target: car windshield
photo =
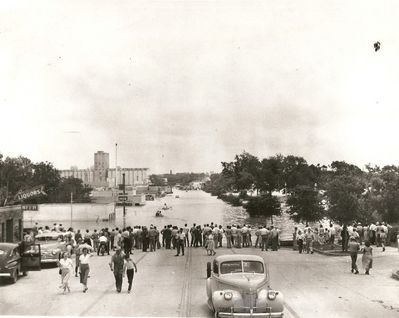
<point>47,238</point>
<point>237,267</point>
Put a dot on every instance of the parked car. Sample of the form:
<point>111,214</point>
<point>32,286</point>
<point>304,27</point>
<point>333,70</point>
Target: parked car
<point>238,285</point>
<point>52,246</point>
<point>17,259</point>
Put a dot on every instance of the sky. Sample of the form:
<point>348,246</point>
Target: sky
<point>184,85</point>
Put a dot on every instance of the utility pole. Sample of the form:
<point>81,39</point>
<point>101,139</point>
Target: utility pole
<point>124,208</point>
<point>71,206</point>
<point>116,165</point>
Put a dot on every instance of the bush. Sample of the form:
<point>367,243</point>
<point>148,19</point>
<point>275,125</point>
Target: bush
<point>265,205</point>
<point>231,199</point>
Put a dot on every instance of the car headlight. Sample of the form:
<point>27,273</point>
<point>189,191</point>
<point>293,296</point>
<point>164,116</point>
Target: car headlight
<point>271,294</point>
<point>54,252</point>
<point>228,295</point>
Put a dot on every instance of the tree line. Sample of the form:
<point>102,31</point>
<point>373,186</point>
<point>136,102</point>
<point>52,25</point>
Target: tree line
<point>181,178</point>
<point>21,174</point>
<point>340,191</point>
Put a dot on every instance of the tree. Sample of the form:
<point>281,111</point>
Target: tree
<point>296,171</point>
<point>265,205</point>
<point>305,204</point>
<point>270,174</point>
<point>45,174</point>
<point>80,191</point>
<point>243,171</point>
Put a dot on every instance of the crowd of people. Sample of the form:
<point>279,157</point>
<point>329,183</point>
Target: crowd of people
<point>209,236</point>
<point>349,238</point>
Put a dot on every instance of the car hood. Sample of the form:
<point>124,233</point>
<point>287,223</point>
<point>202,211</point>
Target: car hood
<point>50,246</point>
<point>246,282</point>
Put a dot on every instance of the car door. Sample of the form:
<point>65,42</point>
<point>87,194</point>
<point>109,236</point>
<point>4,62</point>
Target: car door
<point>31,258</point>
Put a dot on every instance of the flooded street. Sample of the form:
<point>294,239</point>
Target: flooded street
<point>190,207</point>
<point>196,207</point>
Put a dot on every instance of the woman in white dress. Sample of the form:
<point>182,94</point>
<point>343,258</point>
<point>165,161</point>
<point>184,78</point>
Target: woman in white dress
<point>66,268</point>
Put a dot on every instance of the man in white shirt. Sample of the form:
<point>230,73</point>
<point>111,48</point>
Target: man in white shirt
<point>264,234</point>
<point>103,242</point>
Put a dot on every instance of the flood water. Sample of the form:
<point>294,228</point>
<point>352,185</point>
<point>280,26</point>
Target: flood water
<point>196,207</point>
<point>189,207</point>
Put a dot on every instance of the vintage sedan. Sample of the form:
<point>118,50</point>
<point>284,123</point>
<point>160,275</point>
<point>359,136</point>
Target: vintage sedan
<point>17,259</point>
<point>52,246</point>
<point>238,286</point>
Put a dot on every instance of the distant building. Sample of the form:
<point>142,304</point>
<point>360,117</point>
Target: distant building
<point>101,175</point>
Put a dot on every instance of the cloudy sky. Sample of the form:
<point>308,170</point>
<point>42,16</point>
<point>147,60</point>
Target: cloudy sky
<point>184,85</point>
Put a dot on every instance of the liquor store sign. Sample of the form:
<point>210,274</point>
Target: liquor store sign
<point>34,192</point>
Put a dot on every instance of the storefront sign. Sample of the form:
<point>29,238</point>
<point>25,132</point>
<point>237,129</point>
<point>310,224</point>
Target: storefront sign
<point>30,207</point>
<point>34,192</point>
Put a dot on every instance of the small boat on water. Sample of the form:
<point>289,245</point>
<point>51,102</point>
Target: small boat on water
<point>158,214</point>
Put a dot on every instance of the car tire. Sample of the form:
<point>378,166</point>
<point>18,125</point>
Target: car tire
<point>208,269</point>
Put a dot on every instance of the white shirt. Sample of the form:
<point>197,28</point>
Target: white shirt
<point>103,239</point>
<point>66,263</point>
<point>84,259</point>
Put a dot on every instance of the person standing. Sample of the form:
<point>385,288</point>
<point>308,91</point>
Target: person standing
<point>275,238</point>
<point>300,241</point>
<point>309,238</point>
<point>128,267</point>
<point>234,235</point>
<point>167,235</point>
<point>186,230</point>
<point>353,248</point>
<point>367,257</point>
<point>103,242</point>
<point>145,237</point>
<point>295,239</point>
<point>116,265</point>
<point>264,235</point>
<point>210,248</point>
<point>66,268</point>
<point>383,238</point>
<point>152,239</point>
<point>332,234</point>
<point>227,233</point>
<point>192,233</point>
<point>84,267</point>
<point>345,237</point>
<point>112,237</point>
<point>220,236</point>
<point>95,240</point>
<point>78,236</point>
<point>180,237</point>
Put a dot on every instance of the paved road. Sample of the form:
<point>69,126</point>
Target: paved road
<point>165,285</point>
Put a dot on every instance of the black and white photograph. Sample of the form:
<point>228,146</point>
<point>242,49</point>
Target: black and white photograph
<point>199,158</point>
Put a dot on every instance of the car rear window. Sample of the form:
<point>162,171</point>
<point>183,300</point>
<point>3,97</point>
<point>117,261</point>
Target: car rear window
<point>237,266</point>
<point>253,267</point>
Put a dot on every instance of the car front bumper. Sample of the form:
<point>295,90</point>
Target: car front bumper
<point>248,312</point>
<point>5,274</point>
